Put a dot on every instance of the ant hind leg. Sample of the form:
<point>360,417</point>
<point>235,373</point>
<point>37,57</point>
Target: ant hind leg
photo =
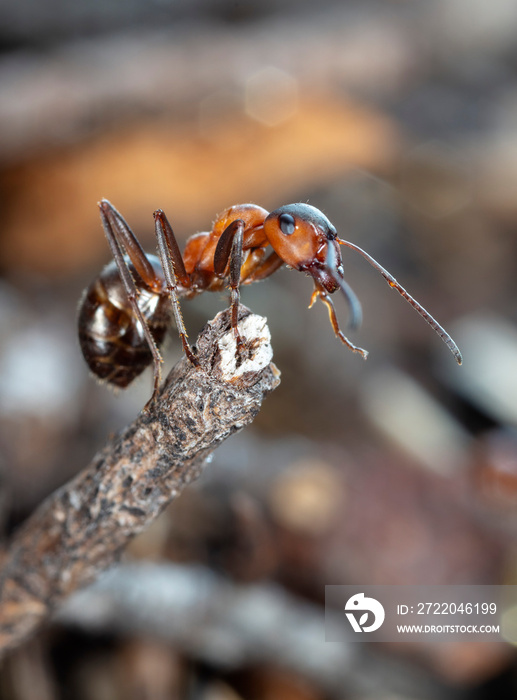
<point>120,239</point>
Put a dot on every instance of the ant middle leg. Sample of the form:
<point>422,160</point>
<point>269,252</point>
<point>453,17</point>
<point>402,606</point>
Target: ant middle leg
<point>173,269</point>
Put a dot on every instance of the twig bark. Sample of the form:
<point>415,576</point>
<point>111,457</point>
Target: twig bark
<point>83,527</point>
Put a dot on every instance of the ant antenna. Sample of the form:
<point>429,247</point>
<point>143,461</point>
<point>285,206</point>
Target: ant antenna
<point>414,303</point>
<point>356,311</point>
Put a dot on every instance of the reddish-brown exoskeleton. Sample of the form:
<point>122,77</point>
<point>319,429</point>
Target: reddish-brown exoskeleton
<point>125,313</point>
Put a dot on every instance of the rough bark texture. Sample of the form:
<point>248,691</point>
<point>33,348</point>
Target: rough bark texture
<point>82,528</point>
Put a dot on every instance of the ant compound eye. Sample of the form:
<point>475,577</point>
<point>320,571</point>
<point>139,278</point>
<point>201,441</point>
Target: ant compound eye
<point>287,224</point>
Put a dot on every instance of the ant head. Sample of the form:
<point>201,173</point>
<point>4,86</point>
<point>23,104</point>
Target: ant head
<point>302,236</point>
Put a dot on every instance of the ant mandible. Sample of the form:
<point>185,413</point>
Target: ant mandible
<point>124,314</point>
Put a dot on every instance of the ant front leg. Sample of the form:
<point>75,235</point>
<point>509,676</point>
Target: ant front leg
<point>229,248</point>
<point>325,298</point>
<point>264,267</point>
<point>173,268</point>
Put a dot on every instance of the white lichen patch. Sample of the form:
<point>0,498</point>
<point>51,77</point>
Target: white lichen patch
<point>75,499</point>
<point>257,354</point>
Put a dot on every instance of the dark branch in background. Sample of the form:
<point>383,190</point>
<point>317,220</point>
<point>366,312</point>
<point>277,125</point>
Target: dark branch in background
<point>82,528</point>
<point>88,98</point>
<point>231,626</point>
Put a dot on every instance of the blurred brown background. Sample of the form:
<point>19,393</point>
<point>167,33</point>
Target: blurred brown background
<point>397,118</point>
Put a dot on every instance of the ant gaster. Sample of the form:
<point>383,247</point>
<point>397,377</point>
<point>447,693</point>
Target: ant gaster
<point>125,312</point>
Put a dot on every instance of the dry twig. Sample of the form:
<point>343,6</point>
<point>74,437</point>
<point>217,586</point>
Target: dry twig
<point>82,528</point>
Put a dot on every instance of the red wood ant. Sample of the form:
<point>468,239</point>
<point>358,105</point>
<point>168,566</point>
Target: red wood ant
<point>125,312</point>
